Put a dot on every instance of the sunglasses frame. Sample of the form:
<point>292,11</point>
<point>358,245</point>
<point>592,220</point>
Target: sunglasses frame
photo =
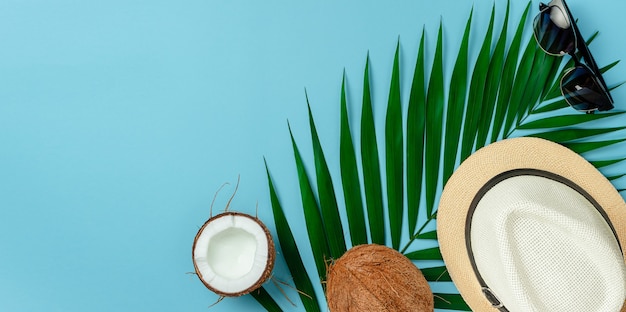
<point>580,46</point>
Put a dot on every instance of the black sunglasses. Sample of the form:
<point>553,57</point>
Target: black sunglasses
<point>556,33</point>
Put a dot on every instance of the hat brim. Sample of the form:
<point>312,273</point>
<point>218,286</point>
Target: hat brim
<point>490,161</point>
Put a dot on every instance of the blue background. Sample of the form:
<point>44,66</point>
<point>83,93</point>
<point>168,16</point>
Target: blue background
<point>120,119</point>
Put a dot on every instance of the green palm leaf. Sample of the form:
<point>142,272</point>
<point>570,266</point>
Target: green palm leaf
<point>451,302</point>
<point>434,116</point>
<point>427,235</point>
<point>394,153</point>
<point>456,104</point>
<point>290,251</point>
<point>519,86</point>
<point>508,78</point>
<point>476,92</point>
<point>263,297</point>
<point>605,163</point>
<point>494,74</point>
<point>539,77</point>
<point>564,121</point>
<point>350,177</point>
<point>551,106</point>
<point>437,274</point>
<point>584,147</point>
<point>416,118</point>
<point>327,198</point>
<point>565,135</point>
<point>371,165</point>
<point>425,254</point>
<point>496,103</point>
<point>615,177</point>
<point>314,223</point>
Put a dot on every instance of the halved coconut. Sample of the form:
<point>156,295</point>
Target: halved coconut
<point>233,254</point>
<point>377,278</point>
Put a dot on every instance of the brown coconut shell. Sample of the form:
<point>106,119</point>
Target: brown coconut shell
<point>377,278</point>
<point>271,256</point>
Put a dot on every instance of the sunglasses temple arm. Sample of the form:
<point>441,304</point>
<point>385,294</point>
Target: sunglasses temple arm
<point>586,54</point>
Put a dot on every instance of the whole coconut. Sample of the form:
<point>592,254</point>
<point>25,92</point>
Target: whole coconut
<point>377,278</point>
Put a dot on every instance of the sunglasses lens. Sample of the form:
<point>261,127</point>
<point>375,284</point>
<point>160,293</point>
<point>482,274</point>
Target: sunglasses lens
<point>583,91</point>
<point>553,31</point>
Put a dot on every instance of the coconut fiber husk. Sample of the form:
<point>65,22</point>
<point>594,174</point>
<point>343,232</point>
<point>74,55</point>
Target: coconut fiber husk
<point>377,278</point>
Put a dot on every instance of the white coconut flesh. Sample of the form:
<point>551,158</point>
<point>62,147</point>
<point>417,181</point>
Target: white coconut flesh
<point>232,253</point>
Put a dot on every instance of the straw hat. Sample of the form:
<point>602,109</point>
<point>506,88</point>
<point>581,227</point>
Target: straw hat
<point>526,224</point>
